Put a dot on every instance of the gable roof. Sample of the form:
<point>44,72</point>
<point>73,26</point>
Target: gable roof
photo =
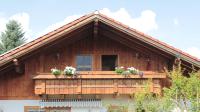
<point>53,35</point>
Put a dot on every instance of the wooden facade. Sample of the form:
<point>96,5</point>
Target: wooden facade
<point>48,58</point>
<point>96,37</point>
<point>97,82</point>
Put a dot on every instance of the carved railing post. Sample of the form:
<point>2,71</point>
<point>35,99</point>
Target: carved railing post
<point>79,86</point>
<point>40,87</point>
<point>115,86</point>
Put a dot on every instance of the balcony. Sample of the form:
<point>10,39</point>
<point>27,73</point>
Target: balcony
<point>97,82</point>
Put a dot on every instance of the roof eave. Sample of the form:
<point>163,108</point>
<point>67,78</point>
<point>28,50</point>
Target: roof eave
<point>89,18</point>
<point>142,37</point>
<point>48,39</point>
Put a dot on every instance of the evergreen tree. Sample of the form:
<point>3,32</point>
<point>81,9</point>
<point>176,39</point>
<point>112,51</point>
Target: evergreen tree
<point>12,37</point>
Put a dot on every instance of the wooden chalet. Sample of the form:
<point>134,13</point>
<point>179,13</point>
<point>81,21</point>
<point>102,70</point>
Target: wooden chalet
<point>94,44</point>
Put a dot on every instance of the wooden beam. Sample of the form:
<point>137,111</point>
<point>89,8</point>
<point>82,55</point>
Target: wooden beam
<point>102,75</point>
<point>130,44</point>
<point>187,66</point>
<point>75,33</point>
<point>95,35</point>
<point>79,86</point>
<point>72,37</point>
<point>115,86</point>
<point>41,59</point>
<point>16,62</point>
<point>18,67</point>
<point>138,42</point>
<point>127,43</point>
<point>95,30</point>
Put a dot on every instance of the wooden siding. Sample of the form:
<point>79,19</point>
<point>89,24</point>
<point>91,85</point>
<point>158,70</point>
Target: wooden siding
<point>97,82</point>
<point>21,86</point>
<point>95,86</point>
<point>101,74</point>
<point>104,46</point>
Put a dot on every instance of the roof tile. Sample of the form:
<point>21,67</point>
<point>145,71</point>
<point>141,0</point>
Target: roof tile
<point>153,39</point>
<point>32,44</point>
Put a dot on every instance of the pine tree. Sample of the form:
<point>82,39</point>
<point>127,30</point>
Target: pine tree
<point>12,37</point>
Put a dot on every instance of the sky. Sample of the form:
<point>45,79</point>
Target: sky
<point>175,22</point>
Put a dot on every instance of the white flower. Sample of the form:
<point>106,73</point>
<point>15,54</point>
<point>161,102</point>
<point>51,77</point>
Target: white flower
<point>131,68</point>
<point>69,70</point>
<point>54,69</point>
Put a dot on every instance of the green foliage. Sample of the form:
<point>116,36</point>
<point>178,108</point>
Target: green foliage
<point>12,37</point>
<point>139,99</point>
<point>119,70</point>
<point>165,104</point>
<point>112,108</point>
<point>69,71</point>
<point>184,91</point>
<point>146,101</point>
<point>55,71</point>
<point>128,71</point>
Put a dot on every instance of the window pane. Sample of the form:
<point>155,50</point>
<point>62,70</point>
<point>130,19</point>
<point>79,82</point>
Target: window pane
<point>109,62</point>
<point>36,110</point>
<point>84,63</point>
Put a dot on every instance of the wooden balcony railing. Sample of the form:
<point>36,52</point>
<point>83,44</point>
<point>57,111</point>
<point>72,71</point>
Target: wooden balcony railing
<point>97,82</point>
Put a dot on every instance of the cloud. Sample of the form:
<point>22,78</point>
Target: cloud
<point>22,18</point>
<point>176,21</point>
<point>59,24</point>
<point>3,22</point>
<point>146,22</point>
<point>194,51</point>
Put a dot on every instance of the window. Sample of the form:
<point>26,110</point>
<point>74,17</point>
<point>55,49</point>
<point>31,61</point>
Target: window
<point>109,62</point>
<point>33,109</point>
<point>84,62</point>
<point>53,109</point>
<point>58,109</point>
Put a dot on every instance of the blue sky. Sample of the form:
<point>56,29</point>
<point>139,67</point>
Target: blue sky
<point>175,22</point>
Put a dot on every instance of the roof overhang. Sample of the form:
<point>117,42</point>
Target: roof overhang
<point>150,40</point>
<point>48,38</point>
<point>56,34</point>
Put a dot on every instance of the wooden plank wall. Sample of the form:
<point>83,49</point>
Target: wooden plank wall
<point>14,86</point>
<point>96,86</point>
<point>19,86</point>
<point>104,46</point>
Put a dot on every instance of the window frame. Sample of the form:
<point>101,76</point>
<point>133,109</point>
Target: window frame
<point>59,108</point>
<point>117,62</point>
<point>27,108</point>
<point>85,55</point>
